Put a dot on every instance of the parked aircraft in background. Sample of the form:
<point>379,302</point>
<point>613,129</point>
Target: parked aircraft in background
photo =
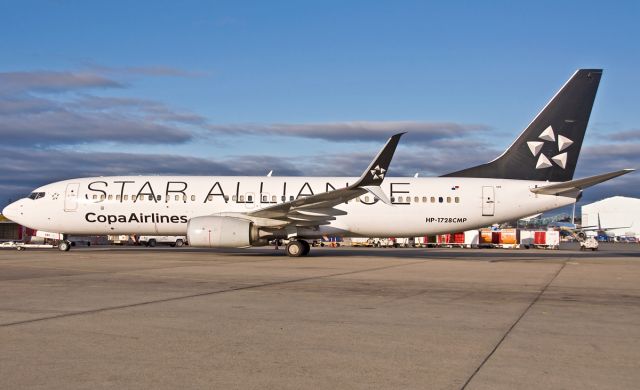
<point>581,231</point>
<point>533,175</point>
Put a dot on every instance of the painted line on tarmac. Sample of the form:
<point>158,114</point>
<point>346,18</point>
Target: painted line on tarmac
<point>504,336</point>
<point>203,294</point>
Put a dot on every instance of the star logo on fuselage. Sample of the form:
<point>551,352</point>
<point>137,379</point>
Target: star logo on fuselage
<point>378,173</point>
<point>548,135</point>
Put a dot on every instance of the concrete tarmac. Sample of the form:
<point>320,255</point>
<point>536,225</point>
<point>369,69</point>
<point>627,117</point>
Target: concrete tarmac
<point>343,318</point>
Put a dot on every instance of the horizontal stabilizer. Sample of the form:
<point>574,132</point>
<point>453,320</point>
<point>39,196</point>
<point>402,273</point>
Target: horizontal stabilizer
<point>580,184</point>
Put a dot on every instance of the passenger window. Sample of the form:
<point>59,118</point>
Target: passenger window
<point>177,197</point>
<point>366,199</point>
<point>393,199</point>
<point>126,197</point>
<point>94,197</point>
<point>416,199</point>
<point>408,199</point>
<point>184,198</point>
<point>133,198</point>
<point>424,199</point>
<point>433,199</point>
<point>193,198</point>
<point>290,197</point>
<point>448,199</point>
<point>249,198</point>
<point>159,197</point>
<point>210,198</point>
<point>457,199</point>
<point>440,199</point>
<point>151,197</point>
<point>273,198</point>
<point>357,199</point>
<point>399,199</point>
<point>233,198</point>
<point>226,198</point>
<point>283,198</point>
<point>102,197</point>
<point>110,197</point>
<point>265,198</point>
<point>117,197</point>
<point>241,198</point>
<point>140,198</point>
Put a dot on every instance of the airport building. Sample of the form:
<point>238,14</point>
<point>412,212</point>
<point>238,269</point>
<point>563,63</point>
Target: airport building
<point>619,216</point>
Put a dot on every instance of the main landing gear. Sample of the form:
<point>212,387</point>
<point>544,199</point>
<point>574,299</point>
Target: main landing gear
<point>297,248</point>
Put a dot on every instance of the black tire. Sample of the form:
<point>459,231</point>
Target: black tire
<point>151,243</point>
<point>295,249</point>
<point>307,248</point>
<point>64,246</point>
<point>179,243</point>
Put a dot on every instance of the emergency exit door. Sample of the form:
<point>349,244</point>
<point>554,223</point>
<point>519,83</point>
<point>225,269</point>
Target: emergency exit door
<point>488,201</point>
<point>71,197</point>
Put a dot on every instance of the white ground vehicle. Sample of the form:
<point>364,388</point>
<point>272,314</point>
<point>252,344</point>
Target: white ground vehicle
<point>22,246</point>
<point>166,240</point>
<point>589,243</point>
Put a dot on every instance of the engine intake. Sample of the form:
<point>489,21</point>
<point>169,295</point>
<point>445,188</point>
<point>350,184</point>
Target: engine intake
<point>223,232</point>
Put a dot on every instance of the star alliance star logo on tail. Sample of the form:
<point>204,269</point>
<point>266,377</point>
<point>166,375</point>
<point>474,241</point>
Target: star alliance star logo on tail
<point>548,135</point>
<point>378,173</point>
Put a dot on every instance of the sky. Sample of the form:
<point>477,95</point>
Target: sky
<point>303,87</point>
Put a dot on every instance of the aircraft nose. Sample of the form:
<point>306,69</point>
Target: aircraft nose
<point>11,211</point>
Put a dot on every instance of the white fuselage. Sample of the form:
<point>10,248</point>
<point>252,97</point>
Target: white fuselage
<point>164,204</point>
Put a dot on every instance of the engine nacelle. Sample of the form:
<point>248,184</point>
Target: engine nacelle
<point>223,232</point>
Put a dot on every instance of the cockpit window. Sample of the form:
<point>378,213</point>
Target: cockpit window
<point>36,195</point>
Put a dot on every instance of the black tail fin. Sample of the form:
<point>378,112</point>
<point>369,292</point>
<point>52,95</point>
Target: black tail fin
<point>548,148</point>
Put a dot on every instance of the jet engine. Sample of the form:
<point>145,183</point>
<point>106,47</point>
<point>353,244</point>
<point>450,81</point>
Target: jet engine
<point>224,232</point>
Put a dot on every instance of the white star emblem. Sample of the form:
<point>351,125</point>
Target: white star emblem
<point>378,173</point>
<point>549,135</point>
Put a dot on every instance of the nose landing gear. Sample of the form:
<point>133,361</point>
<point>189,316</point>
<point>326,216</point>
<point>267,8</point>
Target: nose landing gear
<point>64,246</point>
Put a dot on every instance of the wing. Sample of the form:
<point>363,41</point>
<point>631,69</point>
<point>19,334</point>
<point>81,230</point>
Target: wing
<point>320,209</point>
<point>577,185</point>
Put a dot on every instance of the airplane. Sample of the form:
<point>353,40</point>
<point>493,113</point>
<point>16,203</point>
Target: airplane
<point>533,175</point>
<point>580,232</point>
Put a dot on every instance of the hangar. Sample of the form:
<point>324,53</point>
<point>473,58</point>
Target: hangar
<point>619,212</point>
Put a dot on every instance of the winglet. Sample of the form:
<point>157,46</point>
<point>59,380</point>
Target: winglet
<point>374,175</point>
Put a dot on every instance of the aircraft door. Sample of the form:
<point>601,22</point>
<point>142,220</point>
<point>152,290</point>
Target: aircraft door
<point>71,197</point>
<point>488,201</point>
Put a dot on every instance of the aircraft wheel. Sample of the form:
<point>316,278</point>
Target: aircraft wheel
<point>151,243</point>
<point>306,248</point>
<point>179,243</point>
<point>64,246</point>
<point>295,248</point>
